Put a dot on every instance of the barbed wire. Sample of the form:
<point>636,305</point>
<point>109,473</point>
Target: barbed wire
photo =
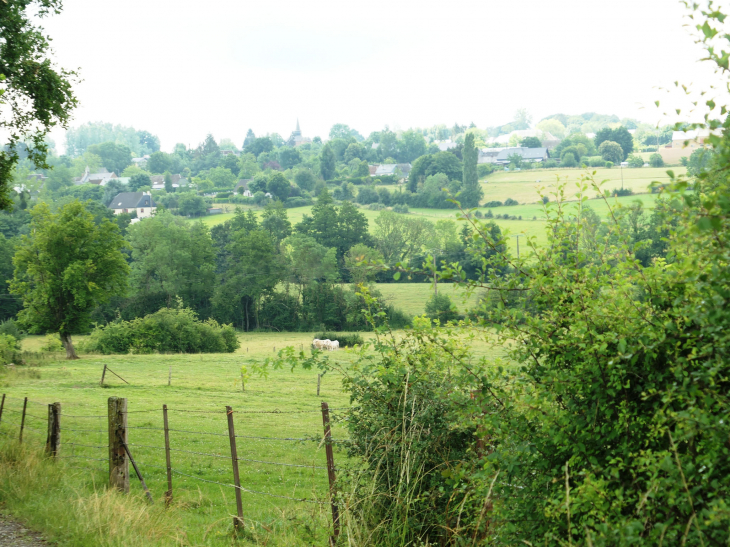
<point>85,430</point>
<point>91,416</point>
<point>27,414</point>
<point>74,457</point>
<point>85,445</point>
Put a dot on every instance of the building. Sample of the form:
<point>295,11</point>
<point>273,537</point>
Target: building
<point>488,155</point>
<point>241,188</point>
<point>531,155</point>
<point>402,170</point>
<point>446,145</point>
<point>296,138</point>
<point>548,141</point>
<point>690,139</point>
<point>134,202</point>
<point>158,181</point>
<point>100,178</point>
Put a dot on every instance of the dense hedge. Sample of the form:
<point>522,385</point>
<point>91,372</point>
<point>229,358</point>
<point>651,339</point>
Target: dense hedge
<point>345,340</point>
<point>169,330</point>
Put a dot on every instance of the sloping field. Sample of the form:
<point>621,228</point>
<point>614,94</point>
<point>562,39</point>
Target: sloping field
<point>412,297</point>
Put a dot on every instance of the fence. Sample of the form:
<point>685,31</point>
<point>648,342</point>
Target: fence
<point>91,433</point>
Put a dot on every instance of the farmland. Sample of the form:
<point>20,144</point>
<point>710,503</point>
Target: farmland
<point>201,387</point>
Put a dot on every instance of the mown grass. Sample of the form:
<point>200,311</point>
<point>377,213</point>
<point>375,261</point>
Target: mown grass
<point>413,297</point>
<point>201,513</point>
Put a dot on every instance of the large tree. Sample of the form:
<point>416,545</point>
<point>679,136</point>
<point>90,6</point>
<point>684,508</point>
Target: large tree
<point>619,135</point>
<point>115,157</point>
<point>471,191</point>
<point>327,162</point>
<point>66,267</point>
<point>36,95</point>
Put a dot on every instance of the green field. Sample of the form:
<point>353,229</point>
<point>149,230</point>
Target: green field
<point>201,387</point>
<point>412,297</point>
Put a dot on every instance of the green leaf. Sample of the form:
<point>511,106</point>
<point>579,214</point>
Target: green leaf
<point>396,276</point>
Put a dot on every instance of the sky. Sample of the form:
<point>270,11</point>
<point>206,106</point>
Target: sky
<point>182,69</point>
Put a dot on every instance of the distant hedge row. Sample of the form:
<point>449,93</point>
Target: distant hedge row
<point>169,330</point>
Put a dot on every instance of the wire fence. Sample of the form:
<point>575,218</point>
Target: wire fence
<point>187,453</point>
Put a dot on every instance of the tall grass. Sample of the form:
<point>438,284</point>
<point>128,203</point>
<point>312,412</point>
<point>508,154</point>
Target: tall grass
<point>73,507</point>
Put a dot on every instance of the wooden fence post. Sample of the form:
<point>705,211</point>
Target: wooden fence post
<point>330,471</point>
<point>103,373</point>
<point>319,381</point>
<point>237,521</point>
<point>168,494</point>
<point>118,461</point>
<point>2,405</point>
<point>22,420</point>
<point>54,429</point>
<point>169,377</point>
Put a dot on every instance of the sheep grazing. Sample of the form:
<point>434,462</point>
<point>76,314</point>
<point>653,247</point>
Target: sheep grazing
<point>327,344</point>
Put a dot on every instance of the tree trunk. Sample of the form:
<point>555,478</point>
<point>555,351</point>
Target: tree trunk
<point>68,344</point>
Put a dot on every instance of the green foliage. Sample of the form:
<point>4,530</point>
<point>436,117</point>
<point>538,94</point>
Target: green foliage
<point>700,161</point>
<point>635,160</point>
<point>159,162</point>
<point>11,328</point>
<point>656,160</point>
<point>115,157</point>
<point>366,195</point>
<point>191,205</point>
<point>568,160</point>
<point>140,180</point>
<point>327,162</point>
<point>67,266</point>
<point>346,340</point>
<point>169,330</point>
<point>531,142</point>
<point>36,95</point>
<point>51,343</point>
<point>471,192</point>
<point>440,308</point>
<point>9,349</point>
<point>510,201</point>
<point>620,135</point>
<point>279,186</point>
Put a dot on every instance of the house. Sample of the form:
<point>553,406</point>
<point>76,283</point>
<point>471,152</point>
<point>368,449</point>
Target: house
<point>531,155</point>
<point>373,168</point>
<point>141,162</point>
<point>158,181</point>
<point>488,155</point>
<point>548,141</point>
<point>296,138</point>
<point>690,139</point>
<point>241,187</point>
<point>405,169</point>
<point>100,178</point>
<point>446,145</point>
<point>134,202</point>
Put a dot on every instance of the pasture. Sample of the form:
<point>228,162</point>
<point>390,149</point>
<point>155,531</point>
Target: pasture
<point>412,297</point>
<point>201,387</point>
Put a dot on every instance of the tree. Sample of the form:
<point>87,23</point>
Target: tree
<point>59,178</point>
<point>399,237</point>
<point>305,179</point>
<point>700,161</point>
<point>619,135</point>
<point>353,151</point>
<point>66,267</point>
<point>656,160</point>
<point>221,177</point>
<point>342,131</point>
<point>471,192</point>
<point>259,145</point>
<point>250,137</point>
<point>635,160</point>
<point>276,221</point>
<point>327,164</point>
<point>230,162</point>
<point>114,157</point>
<point>552,126</point>
<point>568,160</point>
<point>169,188</point>
<point>531,142</point>
<point>191,205</point>
<point>412,145</point>
<point>367,195</point>
<point>279,186</point>
<point>289,157</point>
<point>611,151</point>
<point>362,263</point>
<point>36,95</point>
<point>150,143</point>
<point>159,162</point>
<point>439,308</point>
<point>139,181</point>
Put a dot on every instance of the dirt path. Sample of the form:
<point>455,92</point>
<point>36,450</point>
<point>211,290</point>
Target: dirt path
<point>14,534</point>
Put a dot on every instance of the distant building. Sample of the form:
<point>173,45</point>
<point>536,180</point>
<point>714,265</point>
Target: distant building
<point>446,145</point>
<point>296,138</point>
<point>158,181</point>
<point>531,155</point>
<point>245,192</point>
<point>402,170</point>
<point>548,141</point>
<point>100,178</point>
<point>215,211</point>
<point>690,139</point>
<point>141,162</point>
<point>488,155</point>
<point>133,202</point>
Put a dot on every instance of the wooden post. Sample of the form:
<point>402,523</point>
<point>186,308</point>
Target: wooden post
<point>54,429</point>
<point>169,377</point>
<point>319,381</point>
<point>136,469</point>
<point>2,405</point>
<point>243,386</point>
<point>103,373</point>
<point>22,420</point>
<point>330,471</point>
<point>168,494</point>
<point>118,462</point>
<point>237,521</point>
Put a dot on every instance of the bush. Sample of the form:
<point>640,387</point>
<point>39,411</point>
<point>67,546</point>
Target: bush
<point>489,214</point>
<point>223,195</point>
<point>493,204</point>
<point>10,327</point>
<point>346,340</point>
<point>594,161</point>
<point>400,208</point>
<point>618,192</point>
<point>609,164</point>
<point>9,347</point>
<point>545,199</point>
<point>509,202</point>
<point>478,214</point>
<point>367,195</point>
<point>376,206</point>
<point>52,343</point>
<point>568,160</point>
<point>440,308</point>
<point>550,164</point>
<point>297,202</point>
<point>684,161</point>
<point>484,169</point>
<point>635,160</point>
<point>169,330</point>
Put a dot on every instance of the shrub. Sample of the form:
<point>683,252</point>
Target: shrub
<point>484,169</point>
<point>609,164</point>
<point>635,160</point>
<point>594,161</point>
<point>568,160</point>
<point>400,208</point>
<point>489,214</point>
<point>509,202</point>
<point>367,195</point>
<point>618,192</point>
<point>169,330</point>
<point>376,206</point>
<point>478,214</point>
<point>52,343</point>
<point>10,326</point>
<point>550,164</point>
<point>684,161</point>
<point>545,199</point>
<point>297,202</point>
<point>440,308</point>
<point>9,347</point>
<point>223,195</point>
<point>493,204</point>
<point>346,340</point>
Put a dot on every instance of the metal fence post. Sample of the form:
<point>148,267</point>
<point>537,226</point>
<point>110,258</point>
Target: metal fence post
<point>22,420</point>
<point>118,461</point>
<point>168,494</point>
<point>237,521</point>
<point>54,429</point>
<point>331,472</point>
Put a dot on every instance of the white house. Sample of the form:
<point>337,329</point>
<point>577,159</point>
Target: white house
<point>134,202</point>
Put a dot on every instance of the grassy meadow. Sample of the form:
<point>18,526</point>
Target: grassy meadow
<point>201,387</point>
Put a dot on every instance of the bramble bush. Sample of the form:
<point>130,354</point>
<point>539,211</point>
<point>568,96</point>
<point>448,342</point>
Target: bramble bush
<point>169,330</point>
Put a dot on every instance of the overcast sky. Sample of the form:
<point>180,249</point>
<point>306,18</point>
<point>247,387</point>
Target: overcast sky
<point>181,69</point>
